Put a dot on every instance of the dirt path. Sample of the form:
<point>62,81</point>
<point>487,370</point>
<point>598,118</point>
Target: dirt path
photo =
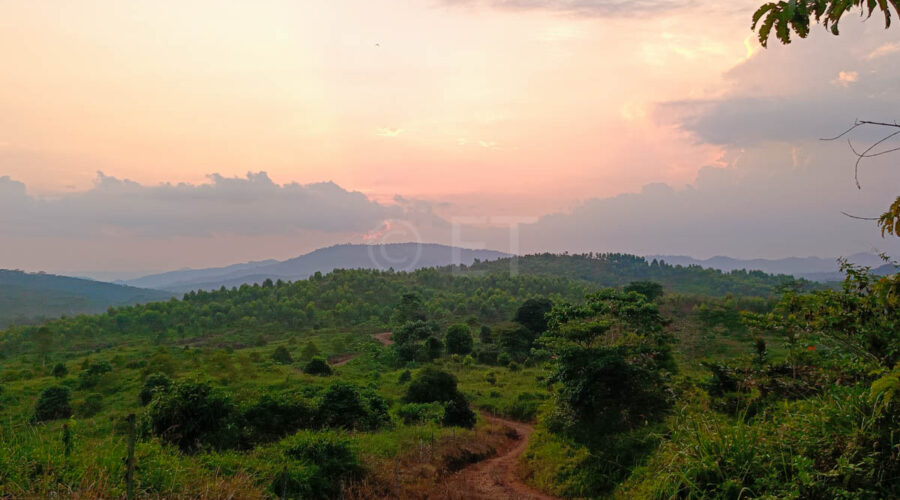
<point>384,338</point>
<point>343,359</point>
<point>496,478</point>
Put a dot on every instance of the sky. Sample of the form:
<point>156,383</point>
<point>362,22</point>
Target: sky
<point>151,135</point>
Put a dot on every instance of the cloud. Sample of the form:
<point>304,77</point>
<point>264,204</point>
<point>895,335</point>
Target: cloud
<point>802,92</point>
<point>585,8</point>
<point>884,50</point>
<point>253,205</point>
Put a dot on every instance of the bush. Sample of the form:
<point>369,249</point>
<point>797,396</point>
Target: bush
<point>344,406</point>
<point>90,376</point>
<point>331,458</point>
<point>486,336</point>
<point>282,356</point>
<point>154,383</point>
<point>309,351</point>
<point>91,406</point>
<point>431,385</point>
<point>193,415</point>
<point>404,377</point>
<point>457,413</point>
<point>53,404</point>
<point>417,413</point>
<point>272,417</point>
<point>487,355</point>
<point>459,339</point>
<point>317,366</point>
<point>60,370</point>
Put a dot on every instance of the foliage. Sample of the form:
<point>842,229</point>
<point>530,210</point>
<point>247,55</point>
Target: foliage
<point>53,404</point>
<point>282,355</point>
<point>91,406</point>
<point>797,15</point>
<point>155,383</point>
<point>417,413</point>
<point>432,385</point>
<point>343,405</point>
<point>60,370</point>
<point>611,359</point>
<point>194,415</point>
<point>650,289</point>
<point>459,339</point>
<point>515,342</point>
<point>274,416</point>
<point>309,351</point>
<point>332,458</point>
<point>889,222</point>
<point>533,315</point>
<point>317,366</point>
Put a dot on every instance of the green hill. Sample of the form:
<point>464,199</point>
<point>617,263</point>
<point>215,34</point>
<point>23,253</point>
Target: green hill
<point>34,297</point>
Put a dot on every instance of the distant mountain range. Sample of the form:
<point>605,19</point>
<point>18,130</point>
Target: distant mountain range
<point>811,268</point>
<point>32,297</point>
<point>398,256</point>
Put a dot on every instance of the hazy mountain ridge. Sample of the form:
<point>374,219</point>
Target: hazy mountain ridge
<point>29,297</point>
<point>399,256</point>
<point>811,268</point>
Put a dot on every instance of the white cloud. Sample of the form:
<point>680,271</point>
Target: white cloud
<point>884,50</point>
<point>845,78</point>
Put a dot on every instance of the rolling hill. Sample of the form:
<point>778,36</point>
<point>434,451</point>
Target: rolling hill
<point>398,256</point>
<point>33,297</point>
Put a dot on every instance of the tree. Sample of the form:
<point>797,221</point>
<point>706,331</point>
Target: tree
<point>53,404</point>
<point>798,15</point>
<point>611,360</point>
<point>533,315</point>
<point>309,351</point>
<point>411,308</point>
<point>432,385</point>
<point>459,339</point>
<point>282,355</point>
<point>486,335</point>
<point>344,406</point>
<point>515,341</point>
<point>60,370</point>
<point>650,289</point>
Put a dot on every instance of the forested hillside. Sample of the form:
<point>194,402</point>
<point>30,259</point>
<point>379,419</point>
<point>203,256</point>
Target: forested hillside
<point>29,297</point>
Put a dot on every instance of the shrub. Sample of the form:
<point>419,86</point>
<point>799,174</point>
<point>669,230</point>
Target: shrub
<point>404,377</point>
<point>309,351</point>
<point>457,413</point>
<point>490,377</point>
<point>417,413</point>
<point>330,457</point>
<point>282,356</point>
<point>487,355</point>
<point>90,376</point>
<point>91,406</point>
<point>272,417</point>
<point>486,336</point>
<point>153,384</point>
<point>431,385</point>
<point>193,415</point>
<point>459,339</point>
<point>344,406</point>
<point>60,370</point>
<point>317,366</point>
<point>53,404</point>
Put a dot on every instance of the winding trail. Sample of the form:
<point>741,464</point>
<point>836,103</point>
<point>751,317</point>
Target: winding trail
<point>495,478</point>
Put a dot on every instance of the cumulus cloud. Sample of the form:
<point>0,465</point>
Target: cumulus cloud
<point>808,90</point>
<point>253,205</point>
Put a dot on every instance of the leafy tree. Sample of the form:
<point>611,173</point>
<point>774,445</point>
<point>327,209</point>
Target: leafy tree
<point>432,385</point>
<point>60,370</point>
<point>282,356</point>
<point>344,406</point>
<point>404,377</point>
<point>459,339</point>
<point>486,335</point>
<point>317,366</point>
<point>533,315</point>
<point>798,15</point>
<point>194,415</point>
<point>411,308</point>
<point>155,383</point>
<point>650,289</point>
<point>433,348</point>
<point>611,356</point>
<point>515,341</point>
<point>53,404</point>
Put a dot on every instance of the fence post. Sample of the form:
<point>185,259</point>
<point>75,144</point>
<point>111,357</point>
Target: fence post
<point>129,460</point>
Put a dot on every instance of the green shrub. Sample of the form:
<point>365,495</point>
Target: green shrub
<point>91,406</point>
<point>157,382</point>
<point>272,417</point>
<point>457,413</point>
<point>90,376</point>
<point>53,404</point>
<point>344,406</point>
<point>309,351</point>
<point>417,413</point>
<point>194,415</point>
<point>317,366</point>
<point>431,385</point>
<point>404,377</point>
<point>60,370</point>
<point>331,458</point>
<point>282,356</point>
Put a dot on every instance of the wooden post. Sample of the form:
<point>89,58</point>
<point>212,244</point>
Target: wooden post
<point>129,460</point>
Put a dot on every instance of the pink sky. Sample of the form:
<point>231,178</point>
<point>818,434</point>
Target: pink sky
<point>460,107</point>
